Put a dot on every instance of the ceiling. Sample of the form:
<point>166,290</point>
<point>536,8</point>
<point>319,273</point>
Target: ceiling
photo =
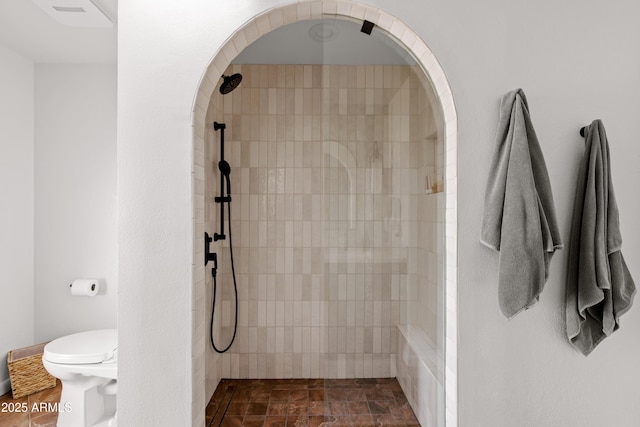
<point>324,41</point>
<point>29,31</point>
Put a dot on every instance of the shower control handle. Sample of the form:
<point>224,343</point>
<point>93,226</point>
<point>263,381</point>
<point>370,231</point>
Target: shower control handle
<point>208,255</point>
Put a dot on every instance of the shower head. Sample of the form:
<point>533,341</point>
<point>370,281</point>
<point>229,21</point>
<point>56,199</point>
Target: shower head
<point>230,83</point>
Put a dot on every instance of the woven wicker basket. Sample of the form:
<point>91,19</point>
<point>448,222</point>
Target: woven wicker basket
<point>26,373</point>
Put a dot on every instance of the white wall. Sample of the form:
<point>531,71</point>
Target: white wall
<point>75,196</point>
<point>583,65</point>
<point>16,213</point>
<point>524,372</point>
<point>57,156</point>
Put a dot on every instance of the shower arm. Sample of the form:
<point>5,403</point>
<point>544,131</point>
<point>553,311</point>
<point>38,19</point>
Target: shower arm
<point>222,199</point>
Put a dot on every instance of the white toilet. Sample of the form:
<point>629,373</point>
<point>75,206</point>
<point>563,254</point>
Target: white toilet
<point>87,365</point>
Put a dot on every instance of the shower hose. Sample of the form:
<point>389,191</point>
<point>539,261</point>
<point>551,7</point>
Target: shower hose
<point>235,285</point>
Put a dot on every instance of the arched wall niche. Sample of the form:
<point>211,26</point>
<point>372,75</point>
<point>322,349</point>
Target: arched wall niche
<point>241,38</point>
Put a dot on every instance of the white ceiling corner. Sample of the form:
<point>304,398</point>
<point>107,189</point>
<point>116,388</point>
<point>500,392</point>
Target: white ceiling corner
<point>30,32</point>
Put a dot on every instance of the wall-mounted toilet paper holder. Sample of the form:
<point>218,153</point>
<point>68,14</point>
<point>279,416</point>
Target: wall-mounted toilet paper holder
<point>85,287</point>
<point>93,286</point>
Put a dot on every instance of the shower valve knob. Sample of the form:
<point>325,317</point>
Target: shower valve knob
<point>208,255</point>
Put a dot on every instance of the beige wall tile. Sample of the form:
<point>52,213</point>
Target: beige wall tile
<point>321,288</point>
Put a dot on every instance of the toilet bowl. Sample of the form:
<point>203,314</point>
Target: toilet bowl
<point>87,366</point>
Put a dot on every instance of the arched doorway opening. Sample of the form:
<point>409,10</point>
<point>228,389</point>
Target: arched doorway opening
<point>208,367</point>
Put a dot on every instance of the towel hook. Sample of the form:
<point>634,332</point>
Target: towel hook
<point>583,131</point>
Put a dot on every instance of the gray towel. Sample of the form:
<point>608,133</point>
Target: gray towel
<point>519,216</point>
<point>599,286</point>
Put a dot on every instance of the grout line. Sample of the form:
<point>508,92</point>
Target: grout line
<point>228,395</point>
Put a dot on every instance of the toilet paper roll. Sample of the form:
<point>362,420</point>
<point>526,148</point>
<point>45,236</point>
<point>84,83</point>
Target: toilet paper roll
<point>86,287</point>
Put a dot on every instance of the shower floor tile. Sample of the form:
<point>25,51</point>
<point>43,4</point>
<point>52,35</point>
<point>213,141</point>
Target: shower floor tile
<point>365,402</point>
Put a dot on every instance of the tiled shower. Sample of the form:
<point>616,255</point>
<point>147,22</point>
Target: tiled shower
<point>337,221</point>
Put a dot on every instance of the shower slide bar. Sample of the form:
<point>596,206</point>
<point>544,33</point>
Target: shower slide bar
<point>225,169</point>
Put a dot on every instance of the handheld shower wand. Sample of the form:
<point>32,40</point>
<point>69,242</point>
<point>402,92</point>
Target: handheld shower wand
<point>225,170</point>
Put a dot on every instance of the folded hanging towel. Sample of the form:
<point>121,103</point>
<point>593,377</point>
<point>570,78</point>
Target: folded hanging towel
<point>599,286</point>
<point>519,216</point>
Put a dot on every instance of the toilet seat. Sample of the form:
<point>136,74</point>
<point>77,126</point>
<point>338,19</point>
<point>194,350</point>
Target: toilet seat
<point>92,347</point>
<point>102,370</point>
